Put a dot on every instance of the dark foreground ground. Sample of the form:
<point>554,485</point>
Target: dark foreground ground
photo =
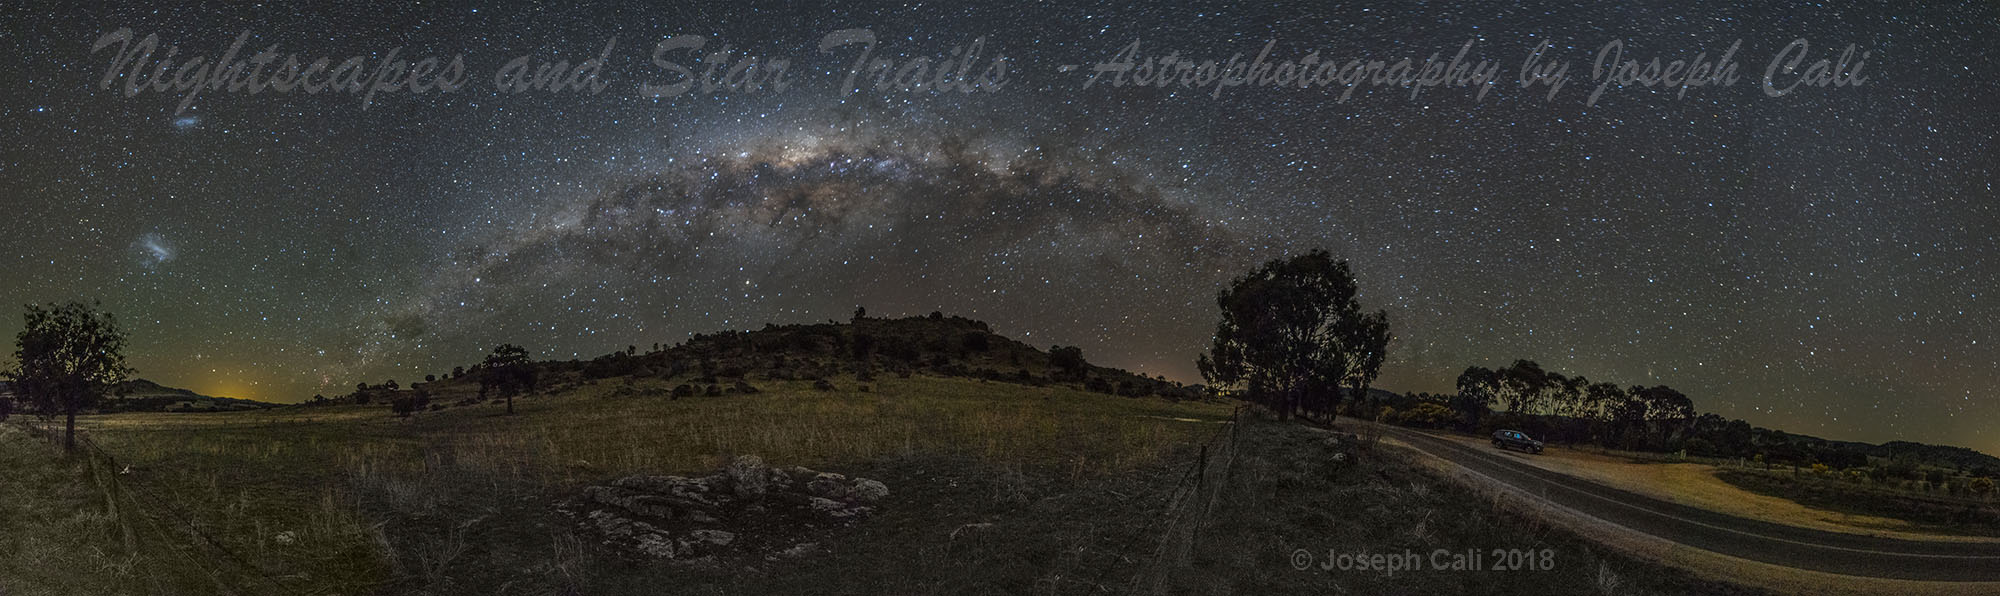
<point>993,489</point>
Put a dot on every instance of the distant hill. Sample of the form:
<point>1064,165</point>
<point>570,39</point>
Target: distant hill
<point>1938,455</point>
<point>862,350</point>
<point>140,395</point>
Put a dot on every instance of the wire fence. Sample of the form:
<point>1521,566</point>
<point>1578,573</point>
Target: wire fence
<point>1194,497</point>
<point>106,471</point>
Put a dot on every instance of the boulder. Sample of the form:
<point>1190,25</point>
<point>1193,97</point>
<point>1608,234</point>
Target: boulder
<point>748,476</point>
<point>828,485</point>
<point>869,491</point>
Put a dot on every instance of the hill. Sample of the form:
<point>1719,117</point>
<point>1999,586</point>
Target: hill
<point>140,395</point>
<point>863,349</point>
<point>1943,456</point>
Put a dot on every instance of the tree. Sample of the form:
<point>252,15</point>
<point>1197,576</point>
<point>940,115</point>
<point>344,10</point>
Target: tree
<point>1068,361</point>
<point>1522,385</point>
<point>69,355</point>
<point>1474,400</point>
<point>410,402</point>
<point>1664,403</point>
<point>1293,335</point>
<point>508,371</point>
<point>1607,401</point>
<point>860,312</point>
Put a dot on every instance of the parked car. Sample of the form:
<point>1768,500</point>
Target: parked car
<point>1517,440</point>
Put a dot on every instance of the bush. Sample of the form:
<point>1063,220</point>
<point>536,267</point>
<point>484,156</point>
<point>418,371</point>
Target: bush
<point>1067,359</point>
<point>1427,415</point>
<point>405,404</point>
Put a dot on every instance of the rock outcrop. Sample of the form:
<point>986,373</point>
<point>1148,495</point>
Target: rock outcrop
<point>747,508</point>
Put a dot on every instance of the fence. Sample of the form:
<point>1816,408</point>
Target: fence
<point>105,471</point>
<point>1187,515</point>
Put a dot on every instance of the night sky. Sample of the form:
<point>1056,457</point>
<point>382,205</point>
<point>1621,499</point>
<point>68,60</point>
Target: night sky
<point>1822,262</point>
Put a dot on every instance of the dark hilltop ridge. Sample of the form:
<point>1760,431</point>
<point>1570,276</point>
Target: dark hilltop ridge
<point>857,351</point>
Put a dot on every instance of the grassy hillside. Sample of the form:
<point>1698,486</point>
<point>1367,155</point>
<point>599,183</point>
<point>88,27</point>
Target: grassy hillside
<point>995,488</point>
<point>864,350</point>
<point>140,395</point>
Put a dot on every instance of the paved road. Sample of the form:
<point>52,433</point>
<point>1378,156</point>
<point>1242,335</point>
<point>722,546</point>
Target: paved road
<point>1778,544</point>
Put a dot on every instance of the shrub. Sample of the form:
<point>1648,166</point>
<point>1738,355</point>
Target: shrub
<point>1428,415</point>
<point>405,404</point>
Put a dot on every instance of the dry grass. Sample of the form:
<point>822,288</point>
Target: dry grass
<point>348,499</point>
<point>1695,484</point>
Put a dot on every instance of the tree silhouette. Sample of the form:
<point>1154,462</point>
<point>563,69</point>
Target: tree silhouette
<point>411,402</point>
<point>1664,403</point>
<point>68,356</point>
<point>1477,387</point>
<point>1068,361</point>
<point>1522,384</point>
<point>508,371</point>
<point>1293,336</point>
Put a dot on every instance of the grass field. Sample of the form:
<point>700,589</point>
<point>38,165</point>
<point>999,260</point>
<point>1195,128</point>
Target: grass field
<point>1718,485</point>
<point>995,488</point>
<point>1930,513</point>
